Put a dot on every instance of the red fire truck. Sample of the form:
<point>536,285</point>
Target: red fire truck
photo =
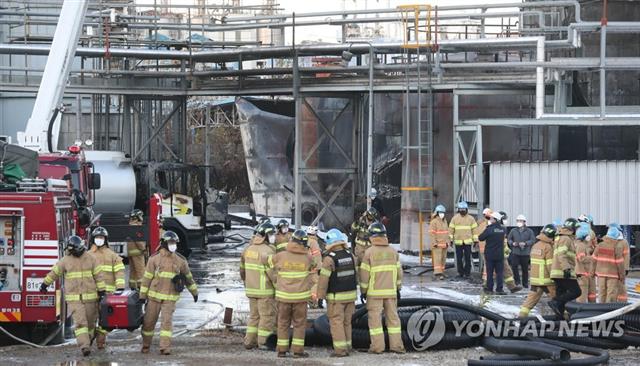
<point>35,219</point>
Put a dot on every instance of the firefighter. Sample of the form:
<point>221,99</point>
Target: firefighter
<point>136,251</point>
<point>259,288</point>
<point>541,261</point>
<point>624,245</point>
<point>359,229</point>
<point>584,264</point>
<point>316,258</point>
<point>380,283</point>
<point>563,269</point>
<point>482,222</point>
<point>111,270</point>
<point>439,236</point>
<point>83,288</point>
<point>610,266</point>
<point>283,236</point>
<point>161,289</point>
<point>337,284</point>
<point>292,271</point>
<point>461,231</point>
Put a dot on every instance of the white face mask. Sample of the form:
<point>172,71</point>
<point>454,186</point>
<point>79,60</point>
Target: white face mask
<point>520,224</point>
<point>172,247</point>
<point>99,241</point>
<point>588,238</point>
<point>441,215</point>
<point>284,230</point>
<point>271,239</point>
<point>505,222</point>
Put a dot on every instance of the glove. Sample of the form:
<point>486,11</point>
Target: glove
<point>101,294</point>
<point>195,298</point>
<point>43,288</point>
<point>398,295</point>
<point>119,291</point>
<point>363,298</point>
<point>142,301</point>
<point>567,274</point>
<point>626,273</point>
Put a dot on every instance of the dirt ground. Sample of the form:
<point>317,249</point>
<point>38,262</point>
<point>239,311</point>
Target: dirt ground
<point>225,348</point>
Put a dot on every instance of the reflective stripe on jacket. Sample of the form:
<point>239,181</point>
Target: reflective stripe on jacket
<point>328,267</point>
<point>253,271</point>
<point>609,259</point>
<point>110,266</point>
<point>461,229</point>
<point>380,270</point>
<point>438,232</point>
<point>584,260</point>
<point>292,269</point>
<point>82,278</point>
<point>564,255</point>
<point>541,261</point>
<point>161,269</point>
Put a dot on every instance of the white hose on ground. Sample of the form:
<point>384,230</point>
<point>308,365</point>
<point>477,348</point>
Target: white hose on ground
<point>610,315</point>
<point>201,325</point>
<point>20,339</point>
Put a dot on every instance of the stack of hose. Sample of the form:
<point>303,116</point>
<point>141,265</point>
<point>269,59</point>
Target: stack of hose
<point>554,348</point>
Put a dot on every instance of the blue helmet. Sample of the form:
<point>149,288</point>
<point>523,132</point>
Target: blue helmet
<point>440,208</point>
<point>613,232</point>
<point>616,225</point>
<point>583,231</point>
<point>333,236</point>
<point>557,223</point>
<point>462,205</point>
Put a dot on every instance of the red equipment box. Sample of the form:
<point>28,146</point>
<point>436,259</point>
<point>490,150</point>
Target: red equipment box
<point>121,311</point>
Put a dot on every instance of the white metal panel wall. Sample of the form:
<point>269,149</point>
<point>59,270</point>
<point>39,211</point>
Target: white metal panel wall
<point>544,191</point>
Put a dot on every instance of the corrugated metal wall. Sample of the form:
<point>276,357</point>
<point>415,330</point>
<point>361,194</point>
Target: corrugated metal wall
<point>544,191</point>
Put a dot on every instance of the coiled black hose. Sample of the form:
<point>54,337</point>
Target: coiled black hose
<point>526,348</point>
<point>586,341</point>
<point>575,307</point>
<point>404,313</point>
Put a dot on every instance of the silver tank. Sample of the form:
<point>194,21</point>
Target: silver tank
<point>117,193</point>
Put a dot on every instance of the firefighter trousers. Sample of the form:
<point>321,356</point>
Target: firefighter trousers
<point>376,330</point>
<point>262,321</point>
<point>291,315</point>
<point>622,291</point>
<point>136,265</point>
<point>439,258</point>
<point>534,297</point>
<point>339,314</point>
<point>608,289</point>
<point>152,311</point>
<point>84,317</point>
<point>588,289</point>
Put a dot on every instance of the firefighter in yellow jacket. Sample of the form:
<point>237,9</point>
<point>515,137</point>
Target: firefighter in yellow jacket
<point>166,275</point>
<point>136,251</point>
<point>563,268</point>
<point>282,236</point>
<point>292,271</point>
<point>609,266</point>
<point>258,287</point>
<point>83,287</point>
<point>462,232</point>
<point>584,264</point>
<point>337,284</point>
<point>541,262</point>
<point>439,236</point>
<point>380,283</point>
<point>111,270</point>
<point>360,232</point>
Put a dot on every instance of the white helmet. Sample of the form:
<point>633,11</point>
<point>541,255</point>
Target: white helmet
<point>521,217</point>
<point>487,211</point>
<point>496,215</point>
<point>373,193</point>
<point>312,230</point>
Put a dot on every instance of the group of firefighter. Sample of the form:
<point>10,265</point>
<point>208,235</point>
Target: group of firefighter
<point>284,273</point>
<point>566,259</point>
<point>92,272</point>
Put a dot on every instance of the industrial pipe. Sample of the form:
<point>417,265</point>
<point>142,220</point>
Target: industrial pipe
<point>527,348</point>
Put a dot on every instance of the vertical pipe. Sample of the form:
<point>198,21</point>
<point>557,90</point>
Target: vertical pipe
<point>479,170</point>
<point>297,144</point>
<point>78,116</point>
<point>207,152</point>
<point>456,151</point>
<point>420,223</point>
<point>603,56</point>
<point>540,78</point>
<point>93,122</point>
<point>370,128</point>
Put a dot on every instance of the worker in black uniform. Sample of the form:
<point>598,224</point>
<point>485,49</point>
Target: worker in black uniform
<point>494,235</point>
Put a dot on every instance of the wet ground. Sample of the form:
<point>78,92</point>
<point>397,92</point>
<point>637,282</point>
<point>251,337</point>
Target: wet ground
<point>201,338</point>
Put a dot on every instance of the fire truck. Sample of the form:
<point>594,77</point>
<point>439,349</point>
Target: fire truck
<point>35,219</point>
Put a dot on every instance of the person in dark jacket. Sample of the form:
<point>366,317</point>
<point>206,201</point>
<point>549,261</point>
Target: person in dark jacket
<point>520,240</point>
<point>493,235</point>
